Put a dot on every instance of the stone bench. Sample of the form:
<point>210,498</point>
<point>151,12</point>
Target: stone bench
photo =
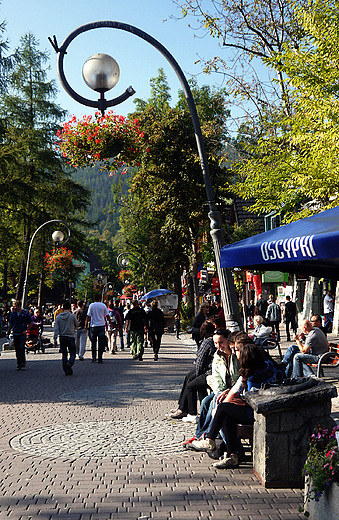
<point>283,424</point>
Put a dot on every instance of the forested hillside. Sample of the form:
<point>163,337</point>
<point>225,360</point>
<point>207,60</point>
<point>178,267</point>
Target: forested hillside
<point>103,211</point>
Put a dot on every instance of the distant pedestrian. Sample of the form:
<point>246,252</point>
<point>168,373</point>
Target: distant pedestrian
<point>113,328</point>
<point>65,326</point>
<point>156,327</point>
<point>328,311</point>
<point>81,332</point>
<point>261,306</point>
<point>136,323</point>
<point>290,314</point>
<point>96,314</point>
<point>177,324</point>
<point>18,322</point>
<point>273,314</point>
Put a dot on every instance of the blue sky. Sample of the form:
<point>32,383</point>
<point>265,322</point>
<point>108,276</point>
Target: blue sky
<point>137,59</point>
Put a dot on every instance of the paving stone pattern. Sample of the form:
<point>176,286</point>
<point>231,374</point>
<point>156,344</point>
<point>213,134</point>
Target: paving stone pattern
<point>99,445</point>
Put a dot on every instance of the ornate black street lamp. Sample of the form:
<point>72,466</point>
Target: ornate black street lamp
<point>106,73</point>
<point>57,238</point>
<point>123,262</point>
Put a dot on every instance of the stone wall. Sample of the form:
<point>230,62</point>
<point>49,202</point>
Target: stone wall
<point>283,425</point>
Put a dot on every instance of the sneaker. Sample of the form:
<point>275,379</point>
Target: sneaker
<point>190,418</point>
<point>189,441</point>
<point>203,445</point>
<point>227,462</point>
<point>140,357</point>
<point>156,357</point>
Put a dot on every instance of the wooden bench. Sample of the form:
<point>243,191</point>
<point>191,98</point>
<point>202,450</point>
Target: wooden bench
<point>330,359</point>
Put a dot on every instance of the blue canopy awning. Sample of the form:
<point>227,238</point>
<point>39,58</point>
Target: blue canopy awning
<point>309,246</point>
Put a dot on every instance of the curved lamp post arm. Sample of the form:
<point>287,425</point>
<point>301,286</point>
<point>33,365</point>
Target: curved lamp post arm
<point>24,291</point>
<point>228,294</point>
<point>120,264</point>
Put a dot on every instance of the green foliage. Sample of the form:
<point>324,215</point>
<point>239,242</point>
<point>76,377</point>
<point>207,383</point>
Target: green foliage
<point>322,464</point>
<point>34,188</point>
<point>165,212</point>
<point>294,167</point>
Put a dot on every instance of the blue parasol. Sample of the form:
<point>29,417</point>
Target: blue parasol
<point>155,293</point>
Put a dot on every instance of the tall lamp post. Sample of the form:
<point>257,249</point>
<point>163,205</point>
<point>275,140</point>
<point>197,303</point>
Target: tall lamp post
<point>57,238</point>
<point>99,74</point>
<point>123,262</point>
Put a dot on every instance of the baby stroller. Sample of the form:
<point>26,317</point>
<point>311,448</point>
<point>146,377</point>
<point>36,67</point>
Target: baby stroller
<point>33,339</point>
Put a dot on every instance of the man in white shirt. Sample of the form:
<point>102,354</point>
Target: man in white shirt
<point>96,317</point>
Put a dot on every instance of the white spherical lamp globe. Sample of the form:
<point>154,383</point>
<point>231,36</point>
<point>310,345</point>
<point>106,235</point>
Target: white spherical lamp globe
<point>101,72</point>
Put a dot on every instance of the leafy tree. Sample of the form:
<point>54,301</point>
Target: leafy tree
<point>166,209</point>
<point>299,157</point>
<point>252,32</point>
<point>36,188</point>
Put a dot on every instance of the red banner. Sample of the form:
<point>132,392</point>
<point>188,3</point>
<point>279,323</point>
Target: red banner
<point>257,284</point>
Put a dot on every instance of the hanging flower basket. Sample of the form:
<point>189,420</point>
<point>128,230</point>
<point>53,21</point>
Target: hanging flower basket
<point>110,139</point>
<point>59,260</point>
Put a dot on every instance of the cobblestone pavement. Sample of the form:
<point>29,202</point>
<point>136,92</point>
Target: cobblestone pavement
<point>100,445</point>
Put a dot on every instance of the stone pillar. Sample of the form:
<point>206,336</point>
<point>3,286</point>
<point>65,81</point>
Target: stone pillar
<point>311,298</point>
<point>283,424</point>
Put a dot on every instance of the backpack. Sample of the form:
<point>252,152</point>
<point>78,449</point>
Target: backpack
<point>113,319</point>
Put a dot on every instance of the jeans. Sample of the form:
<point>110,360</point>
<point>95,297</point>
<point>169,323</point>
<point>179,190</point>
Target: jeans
<point>97,332</point>
<point>137,342</point>
<point>80,341</point>
<point>288,359</point>
<point>205,415</point>
<point>67,345</point>
<point>300,368</point>
<point>19,345</point>
<point>128,342</point>
<point>296,362</point>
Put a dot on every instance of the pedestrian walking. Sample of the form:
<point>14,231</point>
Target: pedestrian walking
<point>290,314</point>
<point>177,324</point>
<point>81,332</point>
<point>113,328</point>
<point>328,311</point>
<point>261,306</point>
<point>156,327</point>
<point>273,314</point>
<point>96,314</point>
<point>65,326</point>
<point>18,321</point>
<point>136,323</point>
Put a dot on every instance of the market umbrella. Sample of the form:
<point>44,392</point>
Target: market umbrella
<point>309,246</point>
<point>155,293</point>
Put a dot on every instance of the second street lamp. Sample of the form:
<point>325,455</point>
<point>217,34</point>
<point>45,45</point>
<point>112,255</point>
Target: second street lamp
<point>227,289</point>
<point>122,262</point>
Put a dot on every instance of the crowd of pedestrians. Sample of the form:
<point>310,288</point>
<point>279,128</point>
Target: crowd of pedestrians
<point>101,322</point>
